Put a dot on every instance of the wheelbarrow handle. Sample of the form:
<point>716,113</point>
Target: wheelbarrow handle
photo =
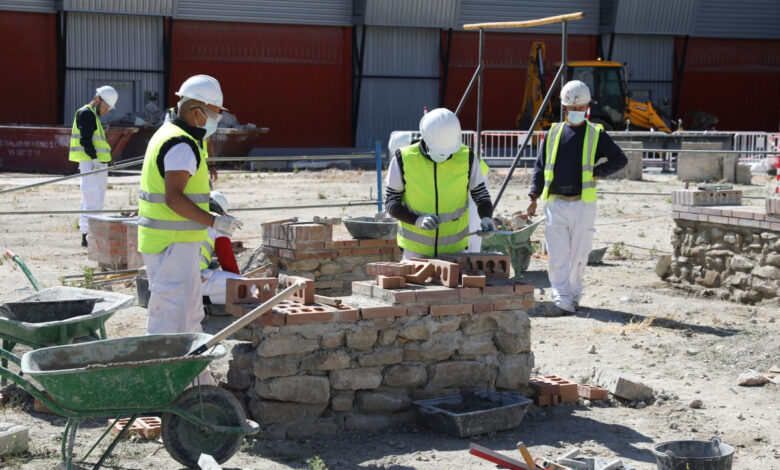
<point>10,254</point>
<point>249,317</point>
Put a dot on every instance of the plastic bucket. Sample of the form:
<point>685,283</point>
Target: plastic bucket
<point>693,455</point>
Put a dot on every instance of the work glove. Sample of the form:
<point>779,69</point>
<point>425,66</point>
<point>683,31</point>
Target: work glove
<point>487,224</point>
<point>227,224</point>
<point>427,221</point>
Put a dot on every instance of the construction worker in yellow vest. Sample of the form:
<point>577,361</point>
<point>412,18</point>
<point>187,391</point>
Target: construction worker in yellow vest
<point>173,204</point>
<point>89,147</point>
<point>565,178</point>
<point>428,186</point>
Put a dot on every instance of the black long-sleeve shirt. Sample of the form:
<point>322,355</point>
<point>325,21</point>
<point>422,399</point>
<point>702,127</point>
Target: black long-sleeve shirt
<point>568,162</point>
<point>85,121</point>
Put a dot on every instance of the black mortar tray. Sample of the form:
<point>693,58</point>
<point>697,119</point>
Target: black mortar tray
<point>43,311</point>
<point>473,413</point>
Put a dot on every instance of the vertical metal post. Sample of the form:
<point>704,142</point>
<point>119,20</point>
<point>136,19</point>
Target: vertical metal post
<point>478,143</point>
<point>378,176</point>
<point>564,60</point>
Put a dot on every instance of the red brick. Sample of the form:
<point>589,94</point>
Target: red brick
<point>389,269</point>
<point>592,392</point>
<point>372,242</point>
<point>310,314</point>
<point>483,306</point>
<point>345,252</point>
<point>271,251</point>
<point>498,290</point>
<point>473,280</point>
<point>388,250</point>
<point>305,295</point>
<point>269,318</point>
<point>346,314</point>
<point>148,427</point>
<point>528,305</point>
<point>522,289</point>
<point>457,309</point>
<point>422,271</point>
<point>390,282</point>
<point>240,291</point>
<point>543,387</point>
<point>382,312</point>
<point>417,310</point>
<point>363,251</point>
<point>566,389</point>
<point>542,400</point>
<point>469,293</point>
<point>437,294</point>
<point>556,399</point>
<point>447,272</point>
<point>508,304</point>
<point>322,254</point>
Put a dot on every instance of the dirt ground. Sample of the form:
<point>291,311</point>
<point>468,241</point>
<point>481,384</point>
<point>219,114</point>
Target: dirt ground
<point>685,347</point>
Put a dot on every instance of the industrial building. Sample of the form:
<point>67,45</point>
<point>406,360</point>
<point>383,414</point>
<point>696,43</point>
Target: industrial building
<point>345,73</point>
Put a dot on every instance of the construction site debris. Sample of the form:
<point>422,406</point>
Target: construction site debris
<point>621,385</point>
<point>751,378</point>
<point>14,438</point>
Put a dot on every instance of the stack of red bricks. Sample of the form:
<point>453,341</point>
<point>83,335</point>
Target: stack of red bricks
<point>299,241</point>
<point>243,295</point>
<point>108,241</point>
<point>554,389</point>
<point>442,287</point>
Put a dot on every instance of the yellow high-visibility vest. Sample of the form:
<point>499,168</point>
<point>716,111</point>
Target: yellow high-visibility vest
<point>592,133</point>
<point>77,153</point>
<point>436,188</point>
<point>158,224</point>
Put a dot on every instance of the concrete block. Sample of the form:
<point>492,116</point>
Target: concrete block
<point>621,385</point>
<point>697,197</point>
<point>14,438</point>
<point>730,162</point>
<point>744,176</point>
<point>633,169</point>
<point>700,166</point>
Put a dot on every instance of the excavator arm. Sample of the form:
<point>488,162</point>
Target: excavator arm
<point>534,90</point>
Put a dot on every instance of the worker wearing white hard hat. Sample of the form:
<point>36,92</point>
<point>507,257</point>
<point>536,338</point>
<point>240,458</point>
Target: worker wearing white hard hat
<point>428,185</point>
<point>89,147</point>
<point>173,208</point>
<point>218,245</point>
<point>565,178</point>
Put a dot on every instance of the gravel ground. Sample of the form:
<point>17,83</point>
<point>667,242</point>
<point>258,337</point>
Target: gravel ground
<point>687,348</point>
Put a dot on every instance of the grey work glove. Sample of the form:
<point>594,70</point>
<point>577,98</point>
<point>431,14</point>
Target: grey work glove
<point>227,224</point>
<point>487,224</point>
<point>427,221</point>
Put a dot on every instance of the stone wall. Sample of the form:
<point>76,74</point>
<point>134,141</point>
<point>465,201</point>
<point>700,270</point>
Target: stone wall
<point>732,252</point>
<point>318,369</point>
<point>309,250</point>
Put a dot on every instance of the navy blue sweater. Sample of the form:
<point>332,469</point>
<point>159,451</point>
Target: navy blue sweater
<point>568,162</point>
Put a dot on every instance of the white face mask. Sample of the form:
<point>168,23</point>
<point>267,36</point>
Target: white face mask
<point>576,117</point>
<point>211,124</point>
<point>439,158</point>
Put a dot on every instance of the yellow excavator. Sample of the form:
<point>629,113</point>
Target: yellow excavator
<point>611,103</point>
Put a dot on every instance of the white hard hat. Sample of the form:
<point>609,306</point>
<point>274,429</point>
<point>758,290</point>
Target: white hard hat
<point>398,140</point>
<point>202,88</point>
<point>440,130</point>
<point>220,200</point>
<point>575,93</point>
<point>108,94</point>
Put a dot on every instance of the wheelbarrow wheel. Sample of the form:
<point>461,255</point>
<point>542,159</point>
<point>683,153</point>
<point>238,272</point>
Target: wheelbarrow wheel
<point>185,441</point>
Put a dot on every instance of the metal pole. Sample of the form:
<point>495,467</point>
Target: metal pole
<point>134,161</point>
<point>564,52</point>
<point>378,176</point>
<point>468,90</point>
<point>478,143</point>
<point>527,137</point>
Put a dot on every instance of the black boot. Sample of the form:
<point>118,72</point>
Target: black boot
<point>84,239</point>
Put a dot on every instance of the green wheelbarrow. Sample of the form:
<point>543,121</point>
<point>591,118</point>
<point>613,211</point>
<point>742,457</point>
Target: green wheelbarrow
<point>515,244</point>
<point>142,374</point>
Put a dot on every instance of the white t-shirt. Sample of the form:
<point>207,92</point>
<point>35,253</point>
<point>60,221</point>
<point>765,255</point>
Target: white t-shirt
<point>181,158</point>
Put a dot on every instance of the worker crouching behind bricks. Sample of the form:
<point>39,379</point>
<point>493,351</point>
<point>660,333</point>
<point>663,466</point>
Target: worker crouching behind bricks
<point>173,205</point>
<point>428,186</point>
<point>219,244</point>
<point>565,178</point>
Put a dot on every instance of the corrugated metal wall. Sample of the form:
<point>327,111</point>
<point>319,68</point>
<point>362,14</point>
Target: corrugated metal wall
<point>33,6</point>
<point>649,66</point>
<point>316,12</point>
<point>481,11</point>
<point>411,13</point>
<point>743,19</point>
<point>389,104</point>
<point>506,59</point>
<point>655,17</point>
<point>734,79</point>
<point>134,7</point>
<point>293,79</point>
<point>28,81</point>
<point>109,49</point>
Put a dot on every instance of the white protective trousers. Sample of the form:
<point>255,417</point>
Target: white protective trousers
<point>176,302</point>
<point>215,284</point>
<point>93,190</point>
<point>569,237</point>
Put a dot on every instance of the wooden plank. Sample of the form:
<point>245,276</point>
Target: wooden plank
<point>525,24</point>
